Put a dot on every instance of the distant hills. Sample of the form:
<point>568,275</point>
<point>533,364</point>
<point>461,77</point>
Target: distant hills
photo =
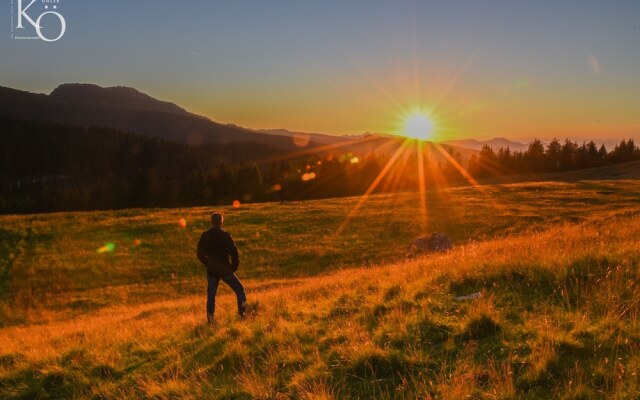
<point>125,109</point>
<point>302,136</point>
<point>495,143</point>
<point>129,110</point>
<point>114,97</point>
<point>85,147</point>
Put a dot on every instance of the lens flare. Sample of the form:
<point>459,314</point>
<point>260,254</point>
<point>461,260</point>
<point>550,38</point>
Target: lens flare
<point>301,139</point>
<point>309,176</point>
<point>107,248</point>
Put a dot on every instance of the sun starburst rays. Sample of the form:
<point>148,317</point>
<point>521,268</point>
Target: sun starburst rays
<point>419,160</point>
<point>422,187</point>
<point>373,185</point>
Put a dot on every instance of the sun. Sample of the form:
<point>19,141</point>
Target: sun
<point>418,126</point>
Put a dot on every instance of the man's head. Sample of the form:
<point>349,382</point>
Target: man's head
<point>217,220</point>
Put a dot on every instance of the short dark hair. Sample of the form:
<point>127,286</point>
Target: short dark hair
<point>217,219</point>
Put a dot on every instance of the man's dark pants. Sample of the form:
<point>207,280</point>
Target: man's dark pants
<point>212,288</point>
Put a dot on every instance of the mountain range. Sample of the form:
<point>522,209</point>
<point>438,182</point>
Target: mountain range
<point>125,109</point>
<point>129,110</point>
<point>494,143</point>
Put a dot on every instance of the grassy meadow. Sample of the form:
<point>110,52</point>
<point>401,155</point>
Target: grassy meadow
<point>341,311</point>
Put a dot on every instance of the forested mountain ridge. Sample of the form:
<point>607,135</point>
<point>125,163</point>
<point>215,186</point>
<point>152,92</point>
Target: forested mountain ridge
<point>55,167</point>
<point>128,110</point>
<point>125,109</point>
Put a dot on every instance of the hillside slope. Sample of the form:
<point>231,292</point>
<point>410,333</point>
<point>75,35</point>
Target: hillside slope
<point>129,110</point>
<point>340,312</point>
<point>50,267</point>
<point>557,318</point>
<point>125,109</point>
<point>627,170</point>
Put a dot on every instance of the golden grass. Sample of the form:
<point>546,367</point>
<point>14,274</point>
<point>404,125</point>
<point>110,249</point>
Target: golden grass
<point>305,335</point>
<point>558,316</point>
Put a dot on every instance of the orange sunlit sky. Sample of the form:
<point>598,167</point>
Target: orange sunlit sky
<point>478,69</point>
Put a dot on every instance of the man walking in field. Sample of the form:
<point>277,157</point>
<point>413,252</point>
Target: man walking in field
<point>215,249</point>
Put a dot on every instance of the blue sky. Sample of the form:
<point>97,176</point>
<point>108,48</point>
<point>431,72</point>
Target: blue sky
<point>483,68</point>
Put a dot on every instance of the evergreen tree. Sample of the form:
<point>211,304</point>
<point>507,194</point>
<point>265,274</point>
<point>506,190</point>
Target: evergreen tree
<point>554,149</point>
<point>535,157</point>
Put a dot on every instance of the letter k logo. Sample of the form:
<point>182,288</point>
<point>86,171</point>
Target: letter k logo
<point>22,12</point>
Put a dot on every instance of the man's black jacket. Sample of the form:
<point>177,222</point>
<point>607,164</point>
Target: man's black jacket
<point>214,250</point>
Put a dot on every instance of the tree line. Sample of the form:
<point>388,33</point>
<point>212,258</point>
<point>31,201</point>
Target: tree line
<point>53,167</point>
<point>554,157</point>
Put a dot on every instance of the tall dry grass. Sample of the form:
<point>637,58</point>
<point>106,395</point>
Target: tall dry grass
<point>558,317</point>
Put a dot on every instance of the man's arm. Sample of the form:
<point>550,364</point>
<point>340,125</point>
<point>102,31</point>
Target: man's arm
<point>202,250</point>
<point>233,252</point>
